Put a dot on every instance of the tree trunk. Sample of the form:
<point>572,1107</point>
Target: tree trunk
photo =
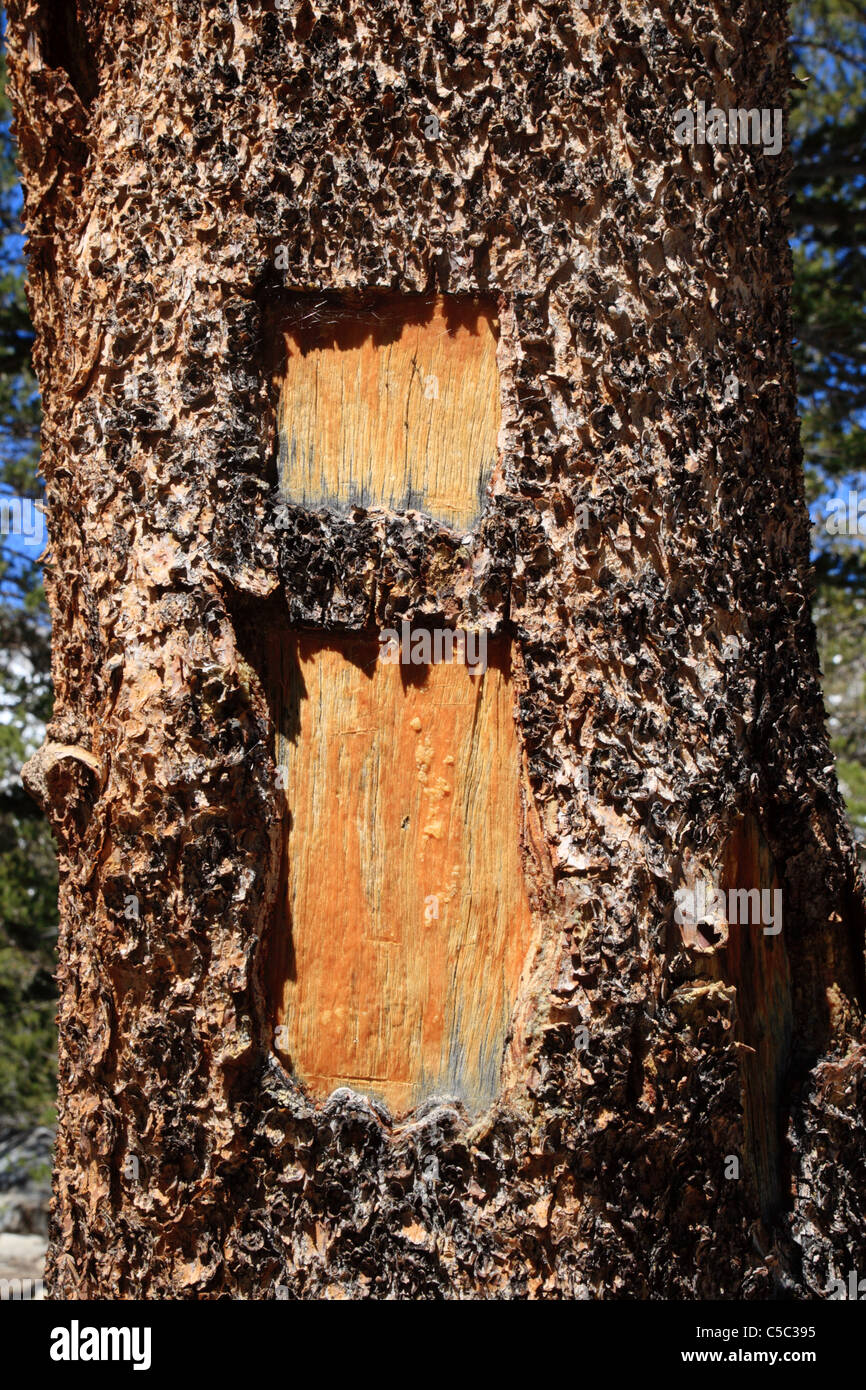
<point>382,975</point>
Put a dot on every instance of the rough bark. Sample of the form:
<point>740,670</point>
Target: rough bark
<point>645,549</point>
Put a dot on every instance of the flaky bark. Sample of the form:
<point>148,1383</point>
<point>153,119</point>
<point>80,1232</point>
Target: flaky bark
<point>645,547</point>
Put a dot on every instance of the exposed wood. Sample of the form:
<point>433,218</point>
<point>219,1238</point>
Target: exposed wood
<point>393,403</point>
<point>742,946</point>
<point>409,920</point>
<point>755,960</point>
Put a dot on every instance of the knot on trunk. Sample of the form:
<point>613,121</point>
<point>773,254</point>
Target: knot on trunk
<point>60,777</point>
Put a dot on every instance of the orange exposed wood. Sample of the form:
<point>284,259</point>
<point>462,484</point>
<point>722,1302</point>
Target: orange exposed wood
<point>394,404</point>
<point>408,914</point>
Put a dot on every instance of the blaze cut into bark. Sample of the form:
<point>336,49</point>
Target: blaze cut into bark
<point>408,913</point>
<point>757,965</point>
<point>393,403</point>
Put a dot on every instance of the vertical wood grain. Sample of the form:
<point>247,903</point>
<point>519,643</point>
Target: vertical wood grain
<point>394,405</point>
<point>408,914</point>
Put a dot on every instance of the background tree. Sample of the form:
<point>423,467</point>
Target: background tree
<point>28,873</point>
<point>828,207</point>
